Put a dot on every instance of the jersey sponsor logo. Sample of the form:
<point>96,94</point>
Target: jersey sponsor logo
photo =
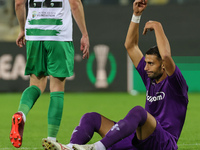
<point>45,3</point>
<point>159,96</point>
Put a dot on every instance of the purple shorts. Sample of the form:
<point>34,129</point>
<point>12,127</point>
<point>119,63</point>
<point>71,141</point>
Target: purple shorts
<point>158,140</point>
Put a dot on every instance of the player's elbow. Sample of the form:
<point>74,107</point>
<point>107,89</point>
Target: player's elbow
<point>166,57</point>
<point>74,4</point>
<point>129,46</point>
<point>131,43</point>
<point>19,3</point>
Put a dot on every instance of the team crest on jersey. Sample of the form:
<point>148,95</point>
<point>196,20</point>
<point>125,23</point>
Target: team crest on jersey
<point>159,96</point>
<point>34,14</point>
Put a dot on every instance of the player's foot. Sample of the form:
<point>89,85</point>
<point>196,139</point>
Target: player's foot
<point>17,129</point>
<point>52,145</point>
<point>84,147</point>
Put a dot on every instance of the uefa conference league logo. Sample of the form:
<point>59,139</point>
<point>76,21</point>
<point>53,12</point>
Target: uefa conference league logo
<point>102,55</point>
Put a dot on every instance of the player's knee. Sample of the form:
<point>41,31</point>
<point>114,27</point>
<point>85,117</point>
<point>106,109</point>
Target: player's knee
<point>138,112</point>
<point>89,116</point>
<point>92,118</point>
<point>138,109</point>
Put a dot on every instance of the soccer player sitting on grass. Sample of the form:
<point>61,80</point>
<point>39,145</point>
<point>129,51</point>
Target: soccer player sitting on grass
<point>159,125</point>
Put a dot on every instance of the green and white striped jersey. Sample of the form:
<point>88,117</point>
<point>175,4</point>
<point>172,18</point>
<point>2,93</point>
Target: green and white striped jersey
<point>49,20</point>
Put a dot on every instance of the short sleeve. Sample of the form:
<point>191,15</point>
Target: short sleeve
<point>141,71</point>
<point>177,82</point>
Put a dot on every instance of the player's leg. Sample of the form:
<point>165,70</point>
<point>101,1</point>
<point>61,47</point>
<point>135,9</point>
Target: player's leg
<point>147,129</point>
<point>152,136</point>
<point>28,99</point>
<point>30,94</point>
<point>55,106</point>
<point>89,123</point>
<point>35,67</point>
<point>60,64</point>
<point>106,125</point>
<point>122,129</point>
<point>136,117</point>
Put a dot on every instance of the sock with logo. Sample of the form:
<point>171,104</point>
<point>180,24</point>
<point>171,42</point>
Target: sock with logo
<point>136,117</point>
<point>89,123</point>
<point>55,113</point>
<point>28,99</point>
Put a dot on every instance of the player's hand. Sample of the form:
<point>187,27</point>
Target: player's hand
<point>150,26</point>
<point>21,39</point>
<point>85,45</point>
<point>139,6</point>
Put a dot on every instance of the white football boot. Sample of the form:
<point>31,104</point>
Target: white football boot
<point>84,147</point>
<point>52,145</point>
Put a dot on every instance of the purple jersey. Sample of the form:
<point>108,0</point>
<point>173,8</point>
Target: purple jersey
<point>166,101</point>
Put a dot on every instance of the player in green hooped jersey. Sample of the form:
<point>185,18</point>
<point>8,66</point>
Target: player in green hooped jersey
<point>47,32</point>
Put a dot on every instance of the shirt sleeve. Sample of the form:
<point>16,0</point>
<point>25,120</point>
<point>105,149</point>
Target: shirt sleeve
<point>177,82</point>
<point>141,71</point>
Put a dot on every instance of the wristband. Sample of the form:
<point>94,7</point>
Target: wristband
<point>136,19</point>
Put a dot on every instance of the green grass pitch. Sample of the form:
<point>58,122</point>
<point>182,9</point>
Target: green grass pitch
<point>112,105</point>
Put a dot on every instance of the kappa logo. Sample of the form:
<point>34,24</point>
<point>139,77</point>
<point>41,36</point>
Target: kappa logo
<point>74,131</point>
<point>159,96</point>
<point>115,127</point>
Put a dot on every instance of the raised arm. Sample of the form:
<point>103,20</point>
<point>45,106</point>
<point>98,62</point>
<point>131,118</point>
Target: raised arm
<point>132,37</point>
<point>79,17</point>
<point>20,9</point>
<point>163,45</point>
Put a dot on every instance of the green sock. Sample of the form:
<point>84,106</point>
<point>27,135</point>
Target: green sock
<point>55,113</point>
<point>28,99</point>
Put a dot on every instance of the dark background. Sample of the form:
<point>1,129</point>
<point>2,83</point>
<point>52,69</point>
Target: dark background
<point>108,25</point>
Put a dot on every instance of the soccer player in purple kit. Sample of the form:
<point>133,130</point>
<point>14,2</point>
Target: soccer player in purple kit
<point>159,125</point>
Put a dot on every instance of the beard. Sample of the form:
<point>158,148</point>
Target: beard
<point>155,76</point>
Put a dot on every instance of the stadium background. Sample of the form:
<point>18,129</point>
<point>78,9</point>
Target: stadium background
<point>107,23</point>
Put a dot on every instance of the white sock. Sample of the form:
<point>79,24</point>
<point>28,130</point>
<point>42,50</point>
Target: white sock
<point>23,116</point>
<point>99,146</point>
<point>70,145</point>
<point>52,138</point>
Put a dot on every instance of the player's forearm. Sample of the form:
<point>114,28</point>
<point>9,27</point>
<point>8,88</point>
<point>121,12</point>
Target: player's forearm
<point>20,10</point>
<point>162,41</point>
<point>164,49</point>
<point>79,17</point>
<point>131,43</point>
<point>132,37</point>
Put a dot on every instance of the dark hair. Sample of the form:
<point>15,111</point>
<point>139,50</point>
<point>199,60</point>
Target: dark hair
<point>154,51</point>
